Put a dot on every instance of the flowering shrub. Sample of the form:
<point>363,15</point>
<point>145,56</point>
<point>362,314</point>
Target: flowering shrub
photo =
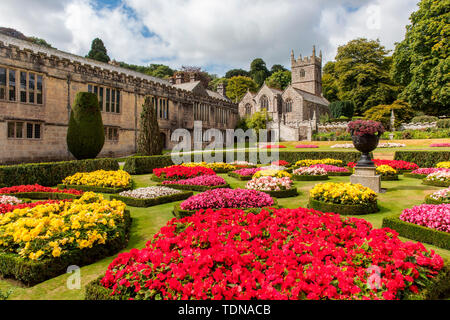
<point>247,171</point>
<point>427,171</point>
<point>444,164</point>
<point>280,163</point>
<point>440,145</point>
<point>362,127</point>
<point>309,171</point>
<point>182,172</point>
<point>310,162</point>
<point>396,164</point>
<point>329,168</point>
<point>199,181</point>
<point>438,176</point>
<point>272,173</point>
<point>100,178</point>
<point>36,188</point>
<point>227,198</point>
<point>429,215</point>
<point>53,229</point>
<point>273,146</point>
<point>386,170</point>
<point>442,195</point>
<point>275,255</point>
<point>306,146</point>
<point>9,200</point>
<point>149,192</point>
<point>343,193</point>
<point>4,208</point>
<point>270,184</point>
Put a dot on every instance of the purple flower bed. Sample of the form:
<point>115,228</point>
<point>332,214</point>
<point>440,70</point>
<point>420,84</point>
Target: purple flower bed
<point>208,180</point>
<point>429,215</point>
<point>330,168</point>
<point>306,146</point>
<point>227,198</point>
<point>247,171</point>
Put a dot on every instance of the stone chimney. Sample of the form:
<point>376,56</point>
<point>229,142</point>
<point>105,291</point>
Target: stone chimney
<point>192,77</point>
<point>178,78</point>
<point>171,80</point>
<point>221,89</point>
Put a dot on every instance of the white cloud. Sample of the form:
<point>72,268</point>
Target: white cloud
<point>210,33</point>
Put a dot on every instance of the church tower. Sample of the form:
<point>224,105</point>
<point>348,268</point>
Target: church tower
<point>307,73</point>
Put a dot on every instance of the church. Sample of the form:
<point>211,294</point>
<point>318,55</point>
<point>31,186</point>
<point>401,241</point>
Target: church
<point>296,110</point>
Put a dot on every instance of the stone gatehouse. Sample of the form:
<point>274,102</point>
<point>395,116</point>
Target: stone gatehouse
<point>296,110</point>
<point>38,87</point>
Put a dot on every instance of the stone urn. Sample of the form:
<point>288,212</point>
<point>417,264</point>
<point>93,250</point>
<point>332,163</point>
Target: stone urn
<point>365,143</point>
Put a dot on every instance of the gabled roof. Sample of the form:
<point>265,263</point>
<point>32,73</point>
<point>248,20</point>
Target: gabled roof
<point>216,95</point>
<point>188,86</point>
<point>312,97</point>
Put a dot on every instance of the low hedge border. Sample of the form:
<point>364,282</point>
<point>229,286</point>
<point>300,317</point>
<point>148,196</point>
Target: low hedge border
<point>134,202</point>
<point>418,233</point>
<point>389,178</point>
<point>436,183</point>
<point>93,188</point>
<point>424,159</point>
<point>415,176</point>
<point>239,177</point>
<point>338,174</point>
<point>33,272</point>
<point>309,178</point>
<point>44,195</point>
<point>180,213</point>
<point>344,209</point>
<point>429,200</point>
<point>282,193</point>
<point>193,187</point>
<point>95,291</point>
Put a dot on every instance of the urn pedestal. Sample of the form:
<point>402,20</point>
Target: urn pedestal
<point>367,177</point>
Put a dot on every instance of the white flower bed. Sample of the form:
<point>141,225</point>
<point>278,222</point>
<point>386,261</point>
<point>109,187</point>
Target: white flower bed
<point>9,200</point>
<point>149,192</point>
<point>279,168</point>
<point>440,176</point>
<point>242,163</point>
<point>269,183</point>
<point>310,171</point>
<point>380,145</point>
<point>441,195</point>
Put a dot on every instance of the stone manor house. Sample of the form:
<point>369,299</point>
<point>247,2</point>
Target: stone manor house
<point>38,87</point>
<point>296,110</point>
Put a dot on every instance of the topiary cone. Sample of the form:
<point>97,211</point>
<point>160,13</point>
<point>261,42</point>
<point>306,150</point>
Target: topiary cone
<point>85,135</point>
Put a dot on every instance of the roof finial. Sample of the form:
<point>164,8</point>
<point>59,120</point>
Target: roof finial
<point>320,54</point>
<point>314,51</point>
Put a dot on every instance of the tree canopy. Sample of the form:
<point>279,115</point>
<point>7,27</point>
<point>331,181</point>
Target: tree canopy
<point>421,62</point>
<point>156,70</point>
<point>236,72</point>
<point>259,71</point>
<point>238,87</point>
<point>98,51</point>
<point>279,80</point>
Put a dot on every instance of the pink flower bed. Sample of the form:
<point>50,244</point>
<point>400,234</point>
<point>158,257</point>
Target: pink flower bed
<point>281,163</point>
<point>329,168</point>
<point>273,146</point>
<point>247,171</point>
<point>428,171</point>
<point>441,145</point>
<point>429,215</point>
<point>209,181</point>
<point>306,146</point>
<point>227,198</point>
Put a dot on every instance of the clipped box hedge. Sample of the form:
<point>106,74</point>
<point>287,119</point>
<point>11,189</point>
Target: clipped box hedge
<point>282,193</point>
<point>44,195</point>
<point>92,188</point>
<point>51,173</point>
<point>389,178</point>
<point>240,177</point>
<point>436,183</point>
<point>298,177</point>
<point>194,187</point>
<point>339,174</point>
<point>415,176</point>
<point>344,209</point>
<point>144,165</point>
<point>32,272</point>
<point>418,233</point>
<point>424,159</point>
<point>430,200</point>
<point>135,202</point>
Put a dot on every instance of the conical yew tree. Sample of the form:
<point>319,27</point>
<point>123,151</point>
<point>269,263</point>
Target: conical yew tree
<point>149,142</point>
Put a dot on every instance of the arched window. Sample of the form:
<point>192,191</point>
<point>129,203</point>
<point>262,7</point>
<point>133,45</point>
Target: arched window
<point>288,105</point>
<point>301,73</point>
<point>248,109</point>
<point>264,102</point>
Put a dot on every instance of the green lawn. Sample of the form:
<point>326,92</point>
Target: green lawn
<point>147,221</point>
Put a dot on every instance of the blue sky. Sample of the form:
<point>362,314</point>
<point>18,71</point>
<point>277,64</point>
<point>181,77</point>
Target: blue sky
<point>214,34</point>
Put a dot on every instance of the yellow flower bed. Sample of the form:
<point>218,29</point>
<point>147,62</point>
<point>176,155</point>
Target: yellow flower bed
<point>220,166</point>
<point>51,230</point>
<point>444,164</point>
<point>100,178</point>
<point>310,162</point>
<point>343,193</point>
<point>386,170</point>
<point>272,173</point>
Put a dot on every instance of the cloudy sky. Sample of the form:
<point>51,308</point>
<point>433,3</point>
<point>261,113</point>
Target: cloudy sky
<point>215,34</point>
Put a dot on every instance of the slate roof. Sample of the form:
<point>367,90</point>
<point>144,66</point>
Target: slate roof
<point>312,97</point>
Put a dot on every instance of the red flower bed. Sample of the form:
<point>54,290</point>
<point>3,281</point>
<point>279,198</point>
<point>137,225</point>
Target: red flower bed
<point>282,163</point>
<point>9,208</point>
<point>182,172</point>
<point>36,188</point>
<point>396,164</point>
<point>271,146</point>
<point>277,254</point>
